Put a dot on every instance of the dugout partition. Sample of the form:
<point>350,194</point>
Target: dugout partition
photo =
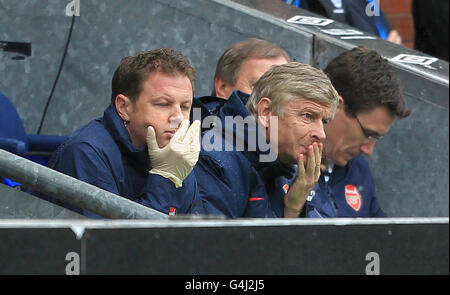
<point>221,247</point>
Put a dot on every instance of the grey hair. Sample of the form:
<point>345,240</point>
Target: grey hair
<point>284,83</point>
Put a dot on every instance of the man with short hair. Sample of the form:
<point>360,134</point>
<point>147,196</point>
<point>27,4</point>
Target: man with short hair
<point>250,171</point>
<point>238,68</point>
<point>370,101</point>
<point>242,64</point>
<point>142,148</point>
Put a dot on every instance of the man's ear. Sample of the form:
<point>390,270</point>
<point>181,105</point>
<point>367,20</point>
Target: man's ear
<point>341,103</point>
<point>264,111</point>
<point>222,88</point>
<point>123,107</point>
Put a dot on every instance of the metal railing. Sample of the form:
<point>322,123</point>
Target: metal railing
<point>71,190</point>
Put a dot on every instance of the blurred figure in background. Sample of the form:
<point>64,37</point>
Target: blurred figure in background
<point>353,13</point>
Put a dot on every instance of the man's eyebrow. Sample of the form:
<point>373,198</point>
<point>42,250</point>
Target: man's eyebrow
<point>170,99</point>
<point>316,112</point>
<point>328,118</point>
<point>163,97</point>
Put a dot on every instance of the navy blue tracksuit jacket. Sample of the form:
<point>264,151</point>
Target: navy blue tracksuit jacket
<point>101,153</point>
<point>349,192</point>
<point>234,182</point>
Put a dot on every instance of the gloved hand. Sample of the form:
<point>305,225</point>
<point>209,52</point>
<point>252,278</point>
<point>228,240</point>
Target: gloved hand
<point>177,159</point>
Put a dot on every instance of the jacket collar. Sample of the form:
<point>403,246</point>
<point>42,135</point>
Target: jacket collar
<point>119,132</point>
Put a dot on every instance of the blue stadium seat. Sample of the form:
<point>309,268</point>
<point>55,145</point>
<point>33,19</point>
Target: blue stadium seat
<point>13,138</point>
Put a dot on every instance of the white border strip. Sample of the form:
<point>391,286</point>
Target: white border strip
<point>359,38</point>
<point>112,224</point>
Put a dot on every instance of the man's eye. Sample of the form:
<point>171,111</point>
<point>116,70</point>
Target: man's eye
<point>374,136</point>
<point>307,116</point>
<point>325,121</point>
<point>186,107</point>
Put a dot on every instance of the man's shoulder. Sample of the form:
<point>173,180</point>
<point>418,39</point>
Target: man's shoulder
<point>210,104</point>
<point>93,134</point>
<point>356,170</point>
<point>224,159</point>
<point>90,139</point>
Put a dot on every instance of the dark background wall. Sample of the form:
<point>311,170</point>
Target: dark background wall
<point>410,166</point>
<point>105,32</point>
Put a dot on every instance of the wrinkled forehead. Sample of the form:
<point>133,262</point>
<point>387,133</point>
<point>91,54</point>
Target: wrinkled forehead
<point>303,104</point>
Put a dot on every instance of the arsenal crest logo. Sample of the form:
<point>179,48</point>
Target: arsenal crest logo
<point>353,197</point>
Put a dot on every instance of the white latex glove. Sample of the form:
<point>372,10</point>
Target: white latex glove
<point>177,159</point>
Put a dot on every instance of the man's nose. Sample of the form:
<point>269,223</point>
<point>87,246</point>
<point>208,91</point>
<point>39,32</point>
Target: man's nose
<point>367,147</point>
<point>318,132</point>
<point>176,118</point>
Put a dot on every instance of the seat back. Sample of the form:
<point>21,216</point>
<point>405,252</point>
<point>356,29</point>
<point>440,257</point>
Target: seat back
<point>11,126</point>
<point>12,134</point>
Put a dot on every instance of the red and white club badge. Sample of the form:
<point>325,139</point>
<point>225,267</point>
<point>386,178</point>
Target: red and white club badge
<point>353,197</point>
<point>172,211</point>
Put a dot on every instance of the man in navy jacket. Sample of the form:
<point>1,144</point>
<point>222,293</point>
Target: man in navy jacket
<point>238,68</point>
<point>247,164</point>
<point>243,63</point>
<point>142,148</point>
<point>370,100</point>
